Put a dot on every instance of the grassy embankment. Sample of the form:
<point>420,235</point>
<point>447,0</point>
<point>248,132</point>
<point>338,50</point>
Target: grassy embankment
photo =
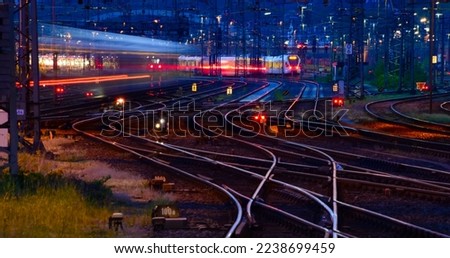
<point>356,107</point>
<point>42,202</point>
<point>357,114</point>
<point>37,205</point>
<point>68,196</point>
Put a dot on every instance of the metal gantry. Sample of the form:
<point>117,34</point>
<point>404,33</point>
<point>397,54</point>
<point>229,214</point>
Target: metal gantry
<point>8,90</point>
<point>19,77</point>
<point>28,103</point>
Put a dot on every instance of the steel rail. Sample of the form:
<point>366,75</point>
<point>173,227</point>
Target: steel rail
<point>325,230</point>
<point>333,214</point>
<point>332,163</point>
<point>393,220</point>
<point>123,147</point>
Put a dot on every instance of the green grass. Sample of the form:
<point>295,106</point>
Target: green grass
<point>68,195</point>
<point>379,97</point>
<point>35,205</point>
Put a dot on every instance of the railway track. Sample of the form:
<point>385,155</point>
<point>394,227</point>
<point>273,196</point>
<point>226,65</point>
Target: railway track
<point>441,195</point>
<point>387,111</point>
<point>445,106</point>
<point>296,188</point>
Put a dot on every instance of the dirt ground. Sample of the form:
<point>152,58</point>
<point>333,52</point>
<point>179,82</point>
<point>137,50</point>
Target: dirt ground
<point>129,179</point>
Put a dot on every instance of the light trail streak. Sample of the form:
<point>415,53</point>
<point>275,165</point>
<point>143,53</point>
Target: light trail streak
<point>95,79</point>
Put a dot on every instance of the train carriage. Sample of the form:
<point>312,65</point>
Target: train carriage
<point>285,64</point>
<point>237,66</point>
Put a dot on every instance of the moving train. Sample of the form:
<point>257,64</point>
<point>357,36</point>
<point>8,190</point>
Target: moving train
<point>66,52</point>
<point>238,66</point>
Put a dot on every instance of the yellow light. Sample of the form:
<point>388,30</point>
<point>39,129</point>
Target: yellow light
<point>120,101</point>
<point>229,90</point>
<point>335,87</point>
<point>194,87</point>
<point>434,60</point>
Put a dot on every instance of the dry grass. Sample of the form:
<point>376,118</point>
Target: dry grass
<point>126,185</point>
<point>64,212</point>
<point>61,212</point>
<point>131,194</point>
<point>356,108</point>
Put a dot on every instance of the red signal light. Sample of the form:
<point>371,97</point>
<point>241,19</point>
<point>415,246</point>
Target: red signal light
<point>301,46</point>
<point>338,102</point>
<point>260,118</point>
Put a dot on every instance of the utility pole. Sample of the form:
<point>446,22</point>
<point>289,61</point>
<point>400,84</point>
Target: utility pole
<point>431,61</point>
<point>8,90</point>
<point>243,41</point>
<point>358,17</point>
<point>402,18</point>
<point>282,34</point>
<point>218,40</point>
<point>442,42</point>
<point>28,108</point>
<point>349,50</point>
<point>227,21</point>
<point>411,48</point>
<point>386,43</point>
<point>256,35</point>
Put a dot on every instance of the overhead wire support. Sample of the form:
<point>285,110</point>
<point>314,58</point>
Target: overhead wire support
<point>28,71</point>
<point>432,41</point>
<point>8,90</point>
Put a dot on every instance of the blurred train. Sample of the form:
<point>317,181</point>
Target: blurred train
<point>69,52</point>
<point>238,66</point>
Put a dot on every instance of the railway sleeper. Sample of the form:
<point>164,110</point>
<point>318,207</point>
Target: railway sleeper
<point>384,227</point>
<point>287,224</point>
<point>394,191</point>
<point>293,196</point>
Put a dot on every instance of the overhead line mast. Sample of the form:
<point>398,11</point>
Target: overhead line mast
<point>8,90</point>
<point>28,71</point>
